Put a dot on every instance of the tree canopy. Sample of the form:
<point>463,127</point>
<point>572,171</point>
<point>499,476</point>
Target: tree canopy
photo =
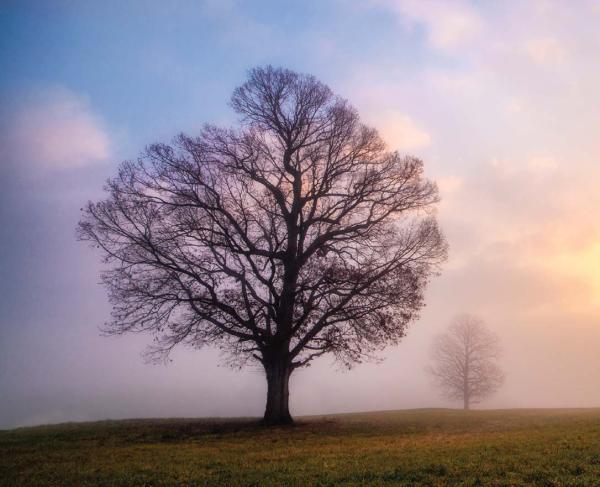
<point>293,235</point>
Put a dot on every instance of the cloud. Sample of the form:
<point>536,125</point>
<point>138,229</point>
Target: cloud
<point>55,129</point>
<point>542,163</point>
<point>545,51</point>
<point>530,218</point>
<point>514,149</point>
<point>401,133</point>
<point>448,24</point>
<point>449,184</point>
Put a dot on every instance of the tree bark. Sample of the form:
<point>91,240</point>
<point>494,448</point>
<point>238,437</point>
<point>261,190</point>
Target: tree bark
<point>466,401</point>
<point>278,376</point>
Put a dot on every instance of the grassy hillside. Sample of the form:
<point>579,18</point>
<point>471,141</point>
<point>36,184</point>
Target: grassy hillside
<point>418,447</point>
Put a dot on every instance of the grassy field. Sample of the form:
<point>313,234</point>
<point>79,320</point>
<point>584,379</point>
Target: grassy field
<point>416,447</point>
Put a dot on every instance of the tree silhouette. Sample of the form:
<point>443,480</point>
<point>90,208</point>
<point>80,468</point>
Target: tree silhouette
<point>295,235</point>
<point>464,361</point>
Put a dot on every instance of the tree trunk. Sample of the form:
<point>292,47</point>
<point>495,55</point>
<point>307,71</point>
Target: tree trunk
<point>466,388</point>
<point>277,410</point>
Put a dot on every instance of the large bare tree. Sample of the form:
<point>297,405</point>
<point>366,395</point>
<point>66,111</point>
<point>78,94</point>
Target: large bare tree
<point>294,235</point>
<point>465,361</point>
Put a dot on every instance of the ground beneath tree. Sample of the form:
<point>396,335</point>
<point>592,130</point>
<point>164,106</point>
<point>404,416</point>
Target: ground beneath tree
<point>416,447</point>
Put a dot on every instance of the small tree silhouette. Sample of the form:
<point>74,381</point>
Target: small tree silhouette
<point>464,361</point>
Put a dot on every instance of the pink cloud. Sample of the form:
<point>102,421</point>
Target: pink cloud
<point>448,24</point>
<point>546,51</point>
<point>401,133</point>
<point>54,130</point>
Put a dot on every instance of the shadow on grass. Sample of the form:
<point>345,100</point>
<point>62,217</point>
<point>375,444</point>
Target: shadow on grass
<point>140,431</point>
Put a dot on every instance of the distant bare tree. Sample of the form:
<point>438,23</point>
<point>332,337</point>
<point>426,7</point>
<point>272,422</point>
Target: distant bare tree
<point>295,235</point>
<point>464,361</point>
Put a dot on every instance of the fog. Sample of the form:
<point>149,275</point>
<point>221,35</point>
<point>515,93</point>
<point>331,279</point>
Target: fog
<point>500,101</point>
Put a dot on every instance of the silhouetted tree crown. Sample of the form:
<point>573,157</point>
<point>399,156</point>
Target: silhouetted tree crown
<point>294,235</point>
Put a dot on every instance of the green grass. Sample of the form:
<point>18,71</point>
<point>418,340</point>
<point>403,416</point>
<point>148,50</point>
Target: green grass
<point>417,447</point>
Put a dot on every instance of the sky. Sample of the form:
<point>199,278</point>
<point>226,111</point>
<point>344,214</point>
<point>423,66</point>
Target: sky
<point>500,100</point>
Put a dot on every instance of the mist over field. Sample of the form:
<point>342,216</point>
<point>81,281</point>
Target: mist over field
<point>499,100</point>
